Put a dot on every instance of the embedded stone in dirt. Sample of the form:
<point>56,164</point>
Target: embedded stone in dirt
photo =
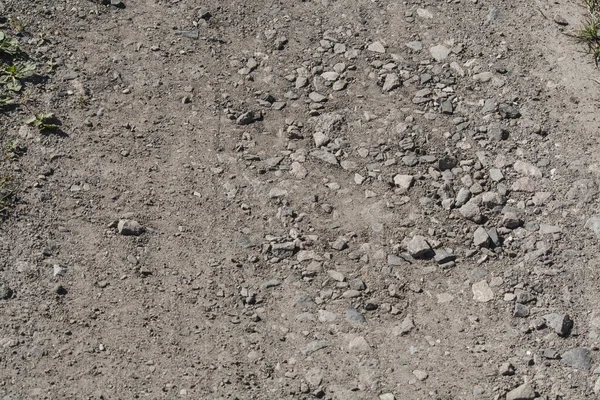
<point>471,212</point>
<point>419,248</point>
<point>359,345</point>
<point>523,392</point>
<point>483,77</point>
<point>579,358</point>
<point>354,316</point>
<point>481,237</point>
<point>391,82</point>
<point>524,184</point>
<point>415,45</point>
<point>482,292</point>
<point>560,20</point>
<point>423,13</point>
<point>247,118</point>
<point>527,169</point>
<point>510,220</point>
<point>376,47</point>
<point>593,224</point>
<point>320,139</point>
<point>508,111</point>
<point>420,374</point>
<point>325,156</point>
<point>336,275</point>
<point>443,257</point>
<point>404,182</point>
<point>560,323</point>
<point>521,311</point>
<point>439,52</point>
<point>5,291</point>
<point>127,227</point>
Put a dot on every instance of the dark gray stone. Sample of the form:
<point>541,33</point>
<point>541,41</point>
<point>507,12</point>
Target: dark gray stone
<point>447,162</point>
<point>523,392</point>
<point>354,316</point>
<point>128,227</point>
<point>419,248</point>
<point>561,323</point>
<point>579,358</point>
<point>481,237</point>
<point>248,117</point>
<point>508,111</point>
<point>446,107</point>
<point>550,354</point>
<point>511,220</point>
<point>521,311</point>
<point>443,257</point>
<point>495,131</point>
<point>5,291</point>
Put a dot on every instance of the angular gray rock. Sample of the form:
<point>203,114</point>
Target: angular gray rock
<point>376,47</point>
<point>404,182</point>
<point>471,212</point>
<point>510,220</point>
<point>443,257</point>
<point>521,311</point>
<point>579,358</point>
<point>247,118</point>
<point>482,292</point>
<point>127,227</point>
<point>495,131</point>
<point>524,184</point>
<point>439,52</point>
<point>418,247</point>
<point>508,111</point>
<point>492,199</point>
<point>320,139</point>
<point>339,244</point>
<point>354,316</point>
<point>447,162</point>
<point>462,197</point>
<point>325,156</point>
<point>446,107</point>
<point>562,324</point>
<point>523,392</point>
<point>481,238</point>
<point>336,275</point>
<point>392,81</point>
<point>527,169</point>
<point>317,97</point>
<point>496,175</point>
<point>359,345</point>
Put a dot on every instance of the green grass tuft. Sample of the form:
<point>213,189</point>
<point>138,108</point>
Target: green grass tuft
<point>589,34</point>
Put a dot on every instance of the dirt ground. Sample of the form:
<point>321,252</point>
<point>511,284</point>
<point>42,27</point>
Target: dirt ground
<point>303,199</point>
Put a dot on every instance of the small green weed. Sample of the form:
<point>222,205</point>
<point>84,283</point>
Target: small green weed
<point>15,150</point>
<point>589,34</point>
<point>44,122</point>
<point>9,46</point>
<point>6,100</point>
<point>12,75</point>
<point>83,101</point>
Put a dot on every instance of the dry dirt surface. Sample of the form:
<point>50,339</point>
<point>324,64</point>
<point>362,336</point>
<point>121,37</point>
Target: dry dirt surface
<point>320,199</point>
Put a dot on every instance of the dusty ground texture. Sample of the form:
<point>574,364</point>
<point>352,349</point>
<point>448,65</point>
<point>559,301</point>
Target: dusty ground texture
<point>348,199</point>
